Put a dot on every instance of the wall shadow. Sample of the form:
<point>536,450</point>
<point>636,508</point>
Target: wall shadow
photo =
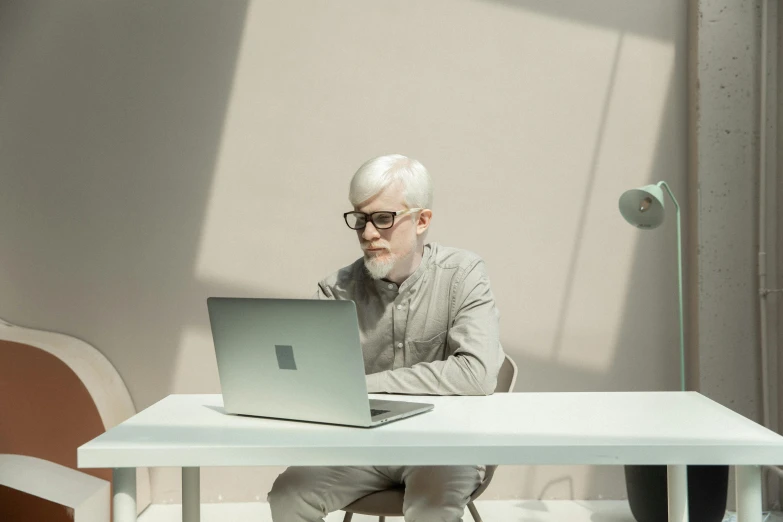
<point>111,120</point>
<point>110,125</point>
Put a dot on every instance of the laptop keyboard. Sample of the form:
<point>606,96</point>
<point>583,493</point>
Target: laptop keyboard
<point>375,413</point>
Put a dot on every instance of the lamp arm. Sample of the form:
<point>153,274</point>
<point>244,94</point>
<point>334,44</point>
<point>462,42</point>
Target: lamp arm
<point>679,274</point>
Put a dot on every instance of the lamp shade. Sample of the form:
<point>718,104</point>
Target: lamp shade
<point>643,207</point>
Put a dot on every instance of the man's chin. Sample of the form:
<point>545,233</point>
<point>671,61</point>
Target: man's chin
<point>378,268</point>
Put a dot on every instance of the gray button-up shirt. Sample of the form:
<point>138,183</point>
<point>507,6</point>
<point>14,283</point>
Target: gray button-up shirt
<point>435,334</point>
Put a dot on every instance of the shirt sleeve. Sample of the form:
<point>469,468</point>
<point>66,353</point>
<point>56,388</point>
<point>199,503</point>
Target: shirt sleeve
<point>473,342</point>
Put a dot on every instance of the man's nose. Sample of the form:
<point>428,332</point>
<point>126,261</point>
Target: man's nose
<point>370,232</point>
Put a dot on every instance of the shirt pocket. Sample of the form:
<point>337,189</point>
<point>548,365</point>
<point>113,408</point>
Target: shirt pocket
<point>433,349</point>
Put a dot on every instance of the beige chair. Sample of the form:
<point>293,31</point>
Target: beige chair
<point>67,494</point>
<point>71,390</point>
<point>388,503</point>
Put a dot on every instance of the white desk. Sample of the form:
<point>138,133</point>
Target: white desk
<point>670,428</point>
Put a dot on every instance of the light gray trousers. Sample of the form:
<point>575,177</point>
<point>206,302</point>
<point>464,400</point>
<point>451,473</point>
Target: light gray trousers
<point>432,493</point>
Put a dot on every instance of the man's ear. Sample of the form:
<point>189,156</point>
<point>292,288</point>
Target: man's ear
<point>423,223</point>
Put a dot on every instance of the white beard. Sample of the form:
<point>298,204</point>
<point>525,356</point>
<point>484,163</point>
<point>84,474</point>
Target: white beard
<point>379,268</point>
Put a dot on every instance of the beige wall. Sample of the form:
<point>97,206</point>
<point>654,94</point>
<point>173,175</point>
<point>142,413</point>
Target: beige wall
<point>155,153</point>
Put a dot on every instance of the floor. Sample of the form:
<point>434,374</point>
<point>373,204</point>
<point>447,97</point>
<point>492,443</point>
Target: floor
<point>490,510</point>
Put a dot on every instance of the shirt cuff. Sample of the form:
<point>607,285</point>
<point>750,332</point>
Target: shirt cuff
<point>376,382</point>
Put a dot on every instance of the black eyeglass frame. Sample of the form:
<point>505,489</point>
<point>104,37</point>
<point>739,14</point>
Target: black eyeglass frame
<point>368,218</point>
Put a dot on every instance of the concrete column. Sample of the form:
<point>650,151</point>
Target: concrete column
<point>725,95</point>
<point>725,53</point>
<point>776,138</point>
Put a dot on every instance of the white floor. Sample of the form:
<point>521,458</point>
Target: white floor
<point>490,510</point>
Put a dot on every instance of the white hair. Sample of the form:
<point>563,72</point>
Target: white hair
<point>378,173</point>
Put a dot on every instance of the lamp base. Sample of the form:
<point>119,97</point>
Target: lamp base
<point>708,488</point>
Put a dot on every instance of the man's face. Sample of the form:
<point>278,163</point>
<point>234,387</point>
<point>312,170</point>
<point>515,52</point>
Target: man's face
<point>386,248</point>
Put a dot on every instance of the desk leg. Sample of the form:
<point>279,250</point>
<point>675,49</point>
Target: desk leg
<point>748,493</point>
<point>677,479</point>
<point>191,495</point>
<point>124,503</point>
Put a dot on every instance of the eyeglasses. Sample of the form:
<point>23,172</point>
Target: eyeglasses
<point>381,220</point>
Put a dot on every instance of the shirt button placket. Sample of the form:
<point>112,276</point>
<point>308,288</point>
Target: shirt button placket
<point>399,333</point>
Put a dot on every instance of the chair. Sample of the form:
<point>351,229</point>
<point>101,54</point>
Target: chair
<point>73,495</point>
<point>388,503</point>
<point>70,393</point>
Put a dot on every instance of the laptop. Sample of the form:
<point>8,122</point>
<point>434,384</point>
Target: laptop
<point>296,359</point>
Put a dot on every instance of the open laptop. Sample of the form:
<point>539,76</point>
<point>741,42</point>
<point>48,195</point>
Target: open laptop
<point>296,359</point>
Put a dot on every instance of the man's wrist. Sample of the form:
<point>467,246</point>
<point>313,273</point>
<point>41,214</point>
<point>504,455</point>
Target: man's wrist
<point>375,382</point>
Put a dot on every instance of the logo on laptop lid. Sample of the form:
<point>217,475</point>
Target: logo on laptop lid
<point>285,357</point>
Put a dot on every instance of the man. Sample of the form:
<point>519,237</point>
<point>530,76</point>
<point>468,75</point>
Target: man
<point>428,325</point>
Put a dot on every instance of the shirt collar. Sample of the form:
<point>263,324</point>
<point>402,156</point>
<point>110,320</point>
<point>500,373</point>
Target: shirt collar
<point>415,276</point>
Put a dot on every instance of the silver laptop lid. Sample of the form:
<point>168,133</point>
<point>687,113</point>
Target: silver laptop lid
<point>297,359</point>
